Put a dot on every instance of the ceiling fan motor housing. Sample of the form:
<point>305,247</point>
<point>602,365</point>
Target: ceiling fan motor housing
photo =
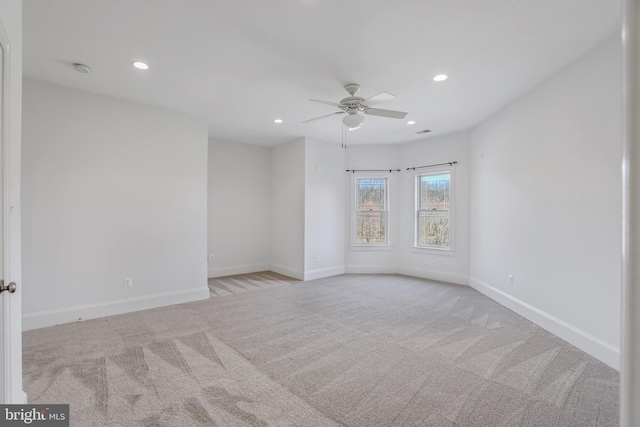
<point>352,102</point>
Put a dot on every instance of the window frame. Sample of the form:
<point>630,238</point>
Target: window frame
<point>450,250</point>
<point>354,212</point>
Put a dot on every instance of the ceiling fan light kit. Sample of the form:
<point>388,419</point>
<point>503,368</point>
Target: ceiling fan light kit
<point>352,105</point>
<point>353,120</point>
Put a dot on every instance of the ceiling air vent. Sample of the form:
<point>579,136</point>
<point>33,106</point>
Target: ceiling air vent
<point>423,131</point>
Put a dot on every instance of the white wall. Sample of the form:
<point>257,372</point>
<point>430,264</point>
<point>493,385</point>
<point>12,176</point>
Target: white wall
<point>375,259</point>
<point>324,197</point>
<point>276,209</point>
<point>111,189</point>
<point>449,266</point>
<point>239,208</point>
<point>400,256</point>
<point>287,208</point>
<point>11,18</point>
<point>546,203</point>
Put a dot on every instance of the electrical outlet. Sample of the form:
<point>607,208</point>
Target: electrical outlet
<point>211,258</point>
<point>511,280</point>
<point>127,282</point>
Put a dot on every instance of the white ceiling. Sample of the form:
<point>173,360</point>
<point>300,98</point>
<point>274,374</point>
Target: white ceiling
<point>243,63</point>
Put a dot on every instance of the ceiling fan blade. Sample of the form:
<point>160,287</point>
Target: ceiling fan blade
<point>385,113</point>
<point>326,102</point>
<point>377,99</point>
<point>323,117</point>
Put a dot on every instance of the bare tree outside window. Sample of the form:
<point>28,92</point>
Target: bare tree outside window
<point>434,210</point>
<point>371,210</point>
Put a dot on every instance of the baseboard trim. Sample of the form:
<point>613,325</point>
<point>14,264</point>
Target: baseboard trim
<point>296,274</point>
<point>370,269</point>
<point>586,342</point>
<point>441,276</point>
<point>247,269</point>
<point>324,272</point>
<point>43,319</point>
<point>231,271</point>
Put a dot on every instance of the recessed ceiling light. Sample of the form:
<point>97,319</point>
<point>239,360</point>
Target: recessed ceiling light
<point>411,122</point>
<point>140,65</point>
<point>440,78</point>
<point>277,121</point>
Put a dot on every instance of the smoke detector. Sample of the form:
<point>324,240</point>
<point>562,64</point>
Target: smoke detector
<point>81,68</point>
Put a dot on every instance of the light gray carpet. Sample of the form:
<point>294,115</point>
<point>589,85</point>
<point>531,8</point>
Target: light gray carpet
<point>222,286</point>
<point>354,350</point>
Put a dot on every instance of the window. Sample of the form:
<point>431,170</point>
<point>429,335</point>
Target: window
<point>433,210</point>
<point>372,214</point>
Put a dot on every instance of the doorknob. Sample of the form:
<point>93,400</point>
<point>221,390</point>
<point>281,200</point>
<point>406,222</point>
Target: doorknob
<point>11,287</point>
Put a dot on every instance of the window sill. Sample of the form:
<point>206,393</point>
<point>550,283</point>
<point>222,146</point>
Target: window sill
<point>433,251</point>
<point>371,247</point>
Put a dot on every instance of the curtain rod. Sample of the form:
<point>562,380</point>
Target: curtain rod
<point>430,166</point>
<point>373,170</point>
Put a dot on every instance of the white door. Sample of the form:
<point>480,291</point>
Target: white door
<point>10,297</point>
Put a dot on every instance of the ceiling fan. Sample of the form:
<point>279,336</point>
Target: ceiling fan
<point>353,104</point>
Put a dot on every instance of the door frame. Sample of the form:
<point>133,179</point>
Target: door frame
<point>10,318</point>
